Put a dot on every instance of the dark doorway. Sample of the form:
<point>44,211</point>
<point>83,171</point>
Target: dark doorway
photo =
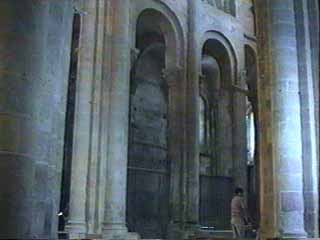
<point>148,163</point>
<point>69,124</point>
<point>148,176</point>
<point>215,135</point>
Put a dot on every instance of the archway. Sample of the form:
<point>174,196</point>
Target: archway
<point>216,161</point>
<point>151,117</point>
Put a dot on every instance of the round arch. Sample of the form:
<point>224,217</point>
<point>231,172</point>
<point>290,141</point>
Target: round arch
<point>168,24</point>
<point>219,68</point>
<point>219,47</point>
<point>157,34</point>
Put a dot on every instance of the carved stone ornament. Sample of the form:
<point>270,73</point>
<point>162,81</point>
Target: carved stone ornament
<point>172,75</point>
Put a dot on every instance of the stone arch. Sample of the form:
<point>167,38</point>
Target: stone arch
<point>155,75</point>
<point>170,27</point>
<point>218,71</point>
<point>221,49</point>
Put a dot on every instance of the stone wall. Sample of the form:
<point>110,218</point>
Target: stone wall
<point>101,137</point>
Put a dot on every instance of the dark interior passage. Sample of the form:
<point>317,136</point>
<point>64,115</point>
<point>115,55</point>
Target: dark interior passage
<point>215,120</point>
<point>70,114</point>
<point>148,163</point>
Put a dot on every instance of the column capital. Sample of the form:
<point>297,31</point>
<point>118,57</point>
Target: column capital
<point>134,53</point>
<point>171,75</point>
<point>202,78</point>
<point>243,76</point>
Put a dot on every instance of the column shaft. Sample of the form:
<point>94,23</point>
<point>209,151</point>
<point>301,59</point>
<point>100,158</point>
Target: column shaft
<point>279,64</point>
<point>173,78</point>
<point>96,177</point>
<point>307,86</point>
<point>117,155</point>
<point>192,123</point>
<point>34,47</point>
<point>82,124</point>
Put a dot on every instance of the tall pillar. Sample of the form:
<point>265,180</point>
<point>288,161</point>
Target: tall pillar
<point>192,123</point>
<point>308,83</point>
<point>173,77</point>
<point>96,175</point>
<point>35,41</point>
<point>77,222</point>
<point>117,155</point>
<point>281,169</point>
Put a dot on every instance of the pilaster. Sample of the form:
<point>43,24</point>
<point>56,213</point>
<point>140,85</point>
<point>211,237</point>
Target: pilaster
<point>114,226</point>
<point>77,222</point>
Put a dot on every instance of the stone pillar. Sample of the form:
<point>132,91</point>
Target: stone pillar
<point>308,83</point>
<point>281,170</point>
<point>173,77</point>
<point>238,123</point>
<point>35,41</point>
<point>96,175</point>
<point>117,155</point>
<point>77,222</point>
<point>192,123</point>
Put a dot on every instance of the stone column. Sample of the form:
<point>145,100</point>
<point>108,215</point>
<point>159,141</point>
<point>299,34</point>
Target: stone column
<point>96,175</point>
<point>173,77</point>
<point>238,134</point>
<point>281,170</point>
<point>77,222</point>
<point>35,41</point>
<point>309,111</point>
<point>117,155</point>
<point>192,124</point>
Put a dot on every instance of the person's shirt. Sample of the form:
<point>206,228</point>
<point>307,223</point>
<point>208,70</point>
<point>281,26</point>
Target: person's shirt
<point>238,208</point>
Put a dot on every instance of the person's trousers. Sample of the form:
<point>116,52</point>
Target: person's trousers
<point>239,230</point>
<point>238,227</point>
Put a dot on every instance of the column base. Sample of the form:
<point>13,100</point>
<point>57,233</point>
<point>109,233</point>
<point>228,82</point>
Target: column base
<point>78,236</point>
<point>118,232</point>
<point>76,229</point>
<point>297,235</point>
<point>294,236</point>
<point>179,231</point>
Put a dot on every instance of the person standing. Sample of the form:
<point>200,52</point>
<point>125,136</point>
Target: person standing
<point>239,214</point>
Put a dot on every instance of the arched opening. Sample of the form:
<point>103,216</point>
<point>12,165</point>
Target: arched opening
<point>252,133</point>
<point>149,159</point>
<point>216,162</point>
